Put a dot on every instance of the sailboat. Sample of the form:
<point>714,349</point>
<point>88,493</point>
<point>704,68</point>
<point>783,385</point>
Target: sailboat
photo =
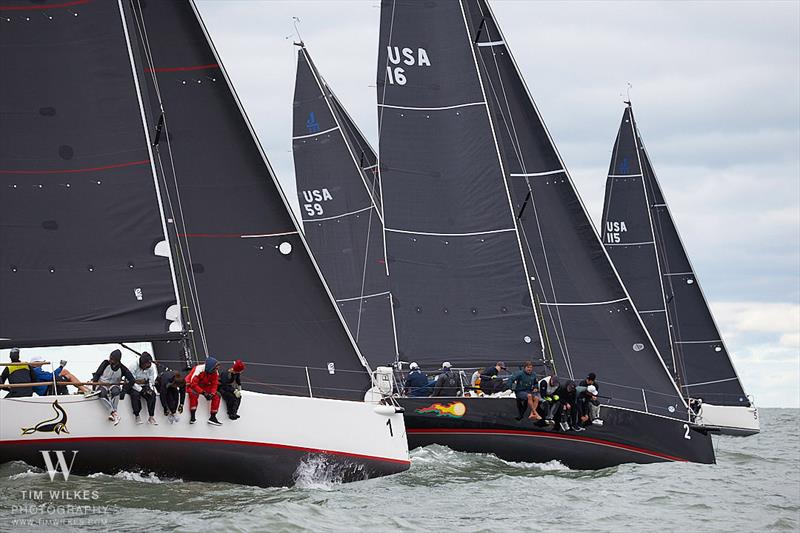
<point>339,196</point>
<point>138,205</point>
<point>492,255</point>
<point>641,237</point>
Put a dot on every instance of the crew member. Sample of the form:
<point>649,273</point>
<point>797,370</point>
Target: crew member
<point>416,384</point>
<point>15,373</point>
<point>490,380</point>
<point>204,379</point>
<point>447,383</point>
<point>112,389</point>
<point>523,383</point>
<point>230,388</point>
<point>144,376</point>
<point>171,387</point>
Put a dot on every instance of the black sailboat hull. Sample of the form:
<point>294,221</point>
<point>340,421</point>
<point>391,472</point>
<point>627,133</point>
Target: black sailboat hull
<point>489,425</point>
<point>210,460</point>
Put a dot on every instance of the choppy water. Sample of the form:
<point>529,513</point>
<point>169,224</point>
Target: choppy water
<point>754,486</point>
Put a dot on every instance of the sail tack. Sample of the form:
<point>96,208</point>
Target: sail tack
<point>79,208</point>
<point>641,237</point>
<point>339,197</point>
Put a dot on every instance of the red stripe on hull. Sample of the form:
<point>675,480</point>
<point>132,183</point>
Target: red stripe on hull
<point>214,441</point>
<point>588,440</point>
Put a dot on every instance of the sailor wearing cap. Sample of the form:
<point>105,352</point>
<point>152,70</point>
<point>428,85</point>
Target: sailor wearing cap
<point>416,384</point>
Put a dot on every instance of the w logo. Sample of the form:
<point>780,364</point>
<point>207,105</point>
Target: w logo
<point>61,465</point>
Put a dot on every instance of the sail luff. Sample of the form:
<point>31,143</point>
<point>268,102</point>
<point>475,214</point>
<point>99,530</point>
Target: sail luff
<point>135,73</point>
<point>649,204</point>
<point>326,91</point>
<point>297,226</point>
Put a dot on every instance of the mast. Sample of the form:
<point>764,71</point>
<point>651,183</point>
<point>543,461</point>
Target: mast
<point>337,191</point>
<point>456,269</point>
<point>590,321</point>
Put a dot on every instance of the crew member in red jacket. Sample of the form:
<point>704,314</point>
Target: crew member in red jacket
<point>204,379</point>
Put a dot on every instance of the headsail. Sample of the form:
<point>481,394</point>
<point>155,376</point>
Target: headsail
<point>660,276</point>
<point>433,97</point>
<point>256,292</point>
<point>339,199</point>
<point>455,261</point>
<point>79,208</point>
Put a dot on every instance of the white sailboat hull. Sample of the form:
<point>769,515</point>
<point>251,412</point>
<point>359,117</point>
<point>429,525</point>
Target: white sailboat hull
<point>273,441</point>
<point>730,420</point>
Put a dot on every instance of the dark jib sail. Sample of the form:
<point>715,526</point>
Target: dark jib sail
<point>339,199</point>
<point>641,237</point>
<point>254,290</point>
<point>455,262</point>
<point>590,323</point>
<point>79,207</point>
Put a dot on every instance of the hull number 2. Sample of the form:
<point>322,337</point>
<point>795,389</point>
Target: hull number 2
<point>686,435</point>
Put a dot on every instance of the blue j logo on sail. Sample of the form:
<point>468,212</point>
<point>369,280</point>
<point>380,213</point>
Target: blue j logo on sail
<point>623,167</point>
<point>311,124</point>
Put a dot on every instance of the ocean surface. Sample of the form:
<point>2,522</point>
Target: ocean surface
<point>755,486</point>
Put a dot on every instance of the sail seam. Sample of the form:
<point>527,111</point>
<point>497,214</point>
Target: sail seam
<point>339,216</point>
<point>558,304</point>
<point>653,311</point>
<point>710,382</point>
<point>624,175</point>
<point>698,342</point>
<point>492,43</point>
<point>628,243</point>
<point>316,134</point>
<point>470,234</point>
<point>678,273</point>
<point>384,293</point>
<point>536,174</point>
<point>439,108</point>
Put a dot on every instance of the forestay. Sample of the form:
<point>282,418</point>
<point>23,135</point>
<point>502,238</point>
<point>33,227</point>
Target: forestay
<point>254,291</point>
<point>641,237</point>
<point>337,188</point>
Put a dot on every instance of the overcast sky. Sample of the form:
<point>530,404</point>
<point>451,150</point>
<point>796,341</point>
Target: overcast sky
<point>716,90</point>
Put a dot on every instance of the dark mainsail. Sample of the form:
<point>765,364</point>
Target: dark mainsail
<point>79,207</point>
<point>455,262</point>
<point>255,290</point>
<point>641,237</point>
<point>439,143</point>
<point>339,198</point>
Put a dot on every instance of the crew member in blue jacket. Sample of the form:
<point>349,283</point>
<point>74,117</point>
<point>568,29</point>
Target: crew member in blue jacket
<point>416,384</point>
